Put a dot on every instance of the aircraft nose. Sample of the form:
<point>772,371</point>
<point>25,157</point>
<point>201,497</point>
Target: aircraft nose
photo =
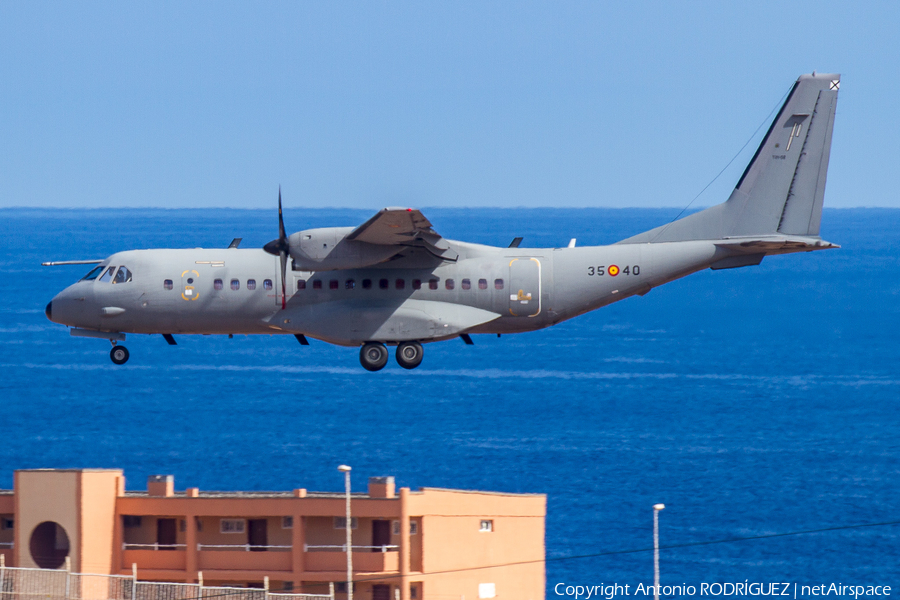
<point>49,310</point>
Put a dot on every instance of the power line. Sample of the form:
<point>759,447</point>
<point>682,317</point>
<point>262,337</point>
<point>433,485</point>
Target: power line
<point>650,549</point>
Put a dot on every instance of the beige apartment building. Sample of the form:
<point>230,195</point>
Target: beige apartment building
<point>432,543</point>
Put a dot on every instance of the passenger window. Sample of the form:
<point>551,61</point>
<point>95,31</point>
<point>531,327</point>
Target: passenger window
<point>482,284</point>
<point>267,284</point>
<point>400,284</point>
<point>167,284</point>
<point>108,275</point>
<point>466,284</point>
<point>317,284</point>
<point>498,284</point>
<point>301,284</point>
<point>367,284</point>
<point>251,284</point>
<point>333,284</point>
<point>383,284</point>
<point>432,284</point>
<point>417,284</point>
<point>349,284</point>
<point>217,284</point>
<point>235,284</point>
<point>92,275</point>
<point>449,284</point>
<point>123,275</point>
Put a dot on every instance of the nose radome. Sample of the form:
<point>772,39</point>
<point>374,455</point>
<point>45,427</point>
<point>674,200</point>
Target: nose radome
<point>49,310</point>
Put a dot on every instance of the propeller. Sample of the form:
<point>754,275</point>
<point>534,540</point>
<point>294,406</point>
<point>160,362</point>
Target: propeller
<point>281,248</point>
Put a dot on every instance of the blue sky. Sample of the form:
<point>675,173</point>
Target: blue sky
<point>364,105</point>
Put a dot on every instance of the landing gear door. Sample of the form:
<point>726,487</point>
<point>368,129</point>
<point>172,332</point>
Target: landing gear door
<point>525,287</point>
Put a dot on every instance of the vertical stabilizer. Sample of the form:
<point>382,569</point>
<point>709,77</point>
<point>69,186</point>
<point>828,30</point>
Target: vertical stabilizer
<point>783,187</point>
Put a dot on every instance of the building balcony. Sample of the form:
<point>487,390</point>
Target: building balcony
<point>366,559</point>
<point>154,556</point>
<point>243,557</point>
<point>6,551</point>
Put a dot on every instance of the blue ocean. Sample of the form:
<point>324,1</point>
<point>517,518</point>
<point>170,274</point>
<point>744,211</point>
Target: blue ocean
<point>752,402</point>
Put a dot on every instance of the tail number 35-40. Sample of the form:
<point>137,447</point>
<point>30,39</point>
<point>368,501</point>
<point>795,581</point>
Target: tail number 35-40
<point>613,270</point>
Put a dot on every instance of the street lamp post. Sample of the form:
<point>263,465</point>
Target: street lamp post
<point>346,471</point>
<point>656,509</point>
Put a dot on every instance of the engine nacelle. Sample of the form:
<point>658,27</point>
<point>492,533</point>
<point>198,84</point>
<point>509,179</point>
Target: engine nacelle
<point>327,249</point>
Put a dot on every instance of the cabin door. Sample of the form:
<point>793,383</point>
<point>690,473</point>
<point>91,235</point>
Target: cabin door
<point>524,287</point>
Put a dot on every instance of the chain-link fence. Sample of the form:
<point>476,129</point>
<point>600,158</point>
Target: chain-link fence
<point>52,584</point>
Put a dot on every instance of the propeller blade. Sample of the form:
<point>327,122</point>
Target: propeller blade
<point>280,248</point>
<point>281,234</point>
<point>283,280</point>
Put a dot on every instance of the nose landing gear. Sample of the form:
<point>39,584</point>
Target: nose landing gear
<point>119,354</point>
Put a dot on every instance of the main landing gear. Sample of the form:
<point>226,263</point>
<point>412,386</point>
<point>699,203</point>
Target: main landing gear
<point>119,354</point>
<point>374,356</point>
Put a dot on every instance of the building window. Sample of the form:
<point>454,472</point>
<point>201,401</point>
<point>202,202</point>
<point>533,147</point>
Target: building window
<point>267,284</point>
<point>432,284</point>
<point>235,284</point>
<point>11,524</point>
<point>400,284</point>
<point>287,522</point>
<point>498,284</point>
<point>413,527</point>
<point>482,284</point>
<point>287,586</point>
<point>167,284</point>
<point>487,525</point>
<point>301,284</point>
<point>467,284</point>
<point>317,284</point>
<point>341,523</point>
<point>218,284</point>
<point>487,590</point>
<point>232,525</point>
<point>333,284</point>
<point>413,592</point>
<point>341,587</point>
<point>251,284</point>
<point>395,528</point>
<point>417,284</point>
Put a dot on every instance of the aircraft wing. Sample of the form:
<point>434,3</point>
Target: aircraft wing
<point>402,227</point>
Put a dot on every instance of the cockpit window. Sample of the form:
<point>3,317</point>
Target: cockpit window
<point>123,275</point>
<point>93,274</point>
<point>108,275</point>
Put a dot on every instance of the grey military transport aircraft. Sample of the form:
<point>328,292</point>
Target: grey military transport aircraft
<point>394,281</point>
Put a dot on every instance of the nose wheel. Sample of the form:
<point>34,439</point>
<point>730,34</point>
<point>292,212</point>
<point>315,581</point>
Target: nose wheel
<point>409,355</point>
<point>119,355</point>
<point>373,356</point>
